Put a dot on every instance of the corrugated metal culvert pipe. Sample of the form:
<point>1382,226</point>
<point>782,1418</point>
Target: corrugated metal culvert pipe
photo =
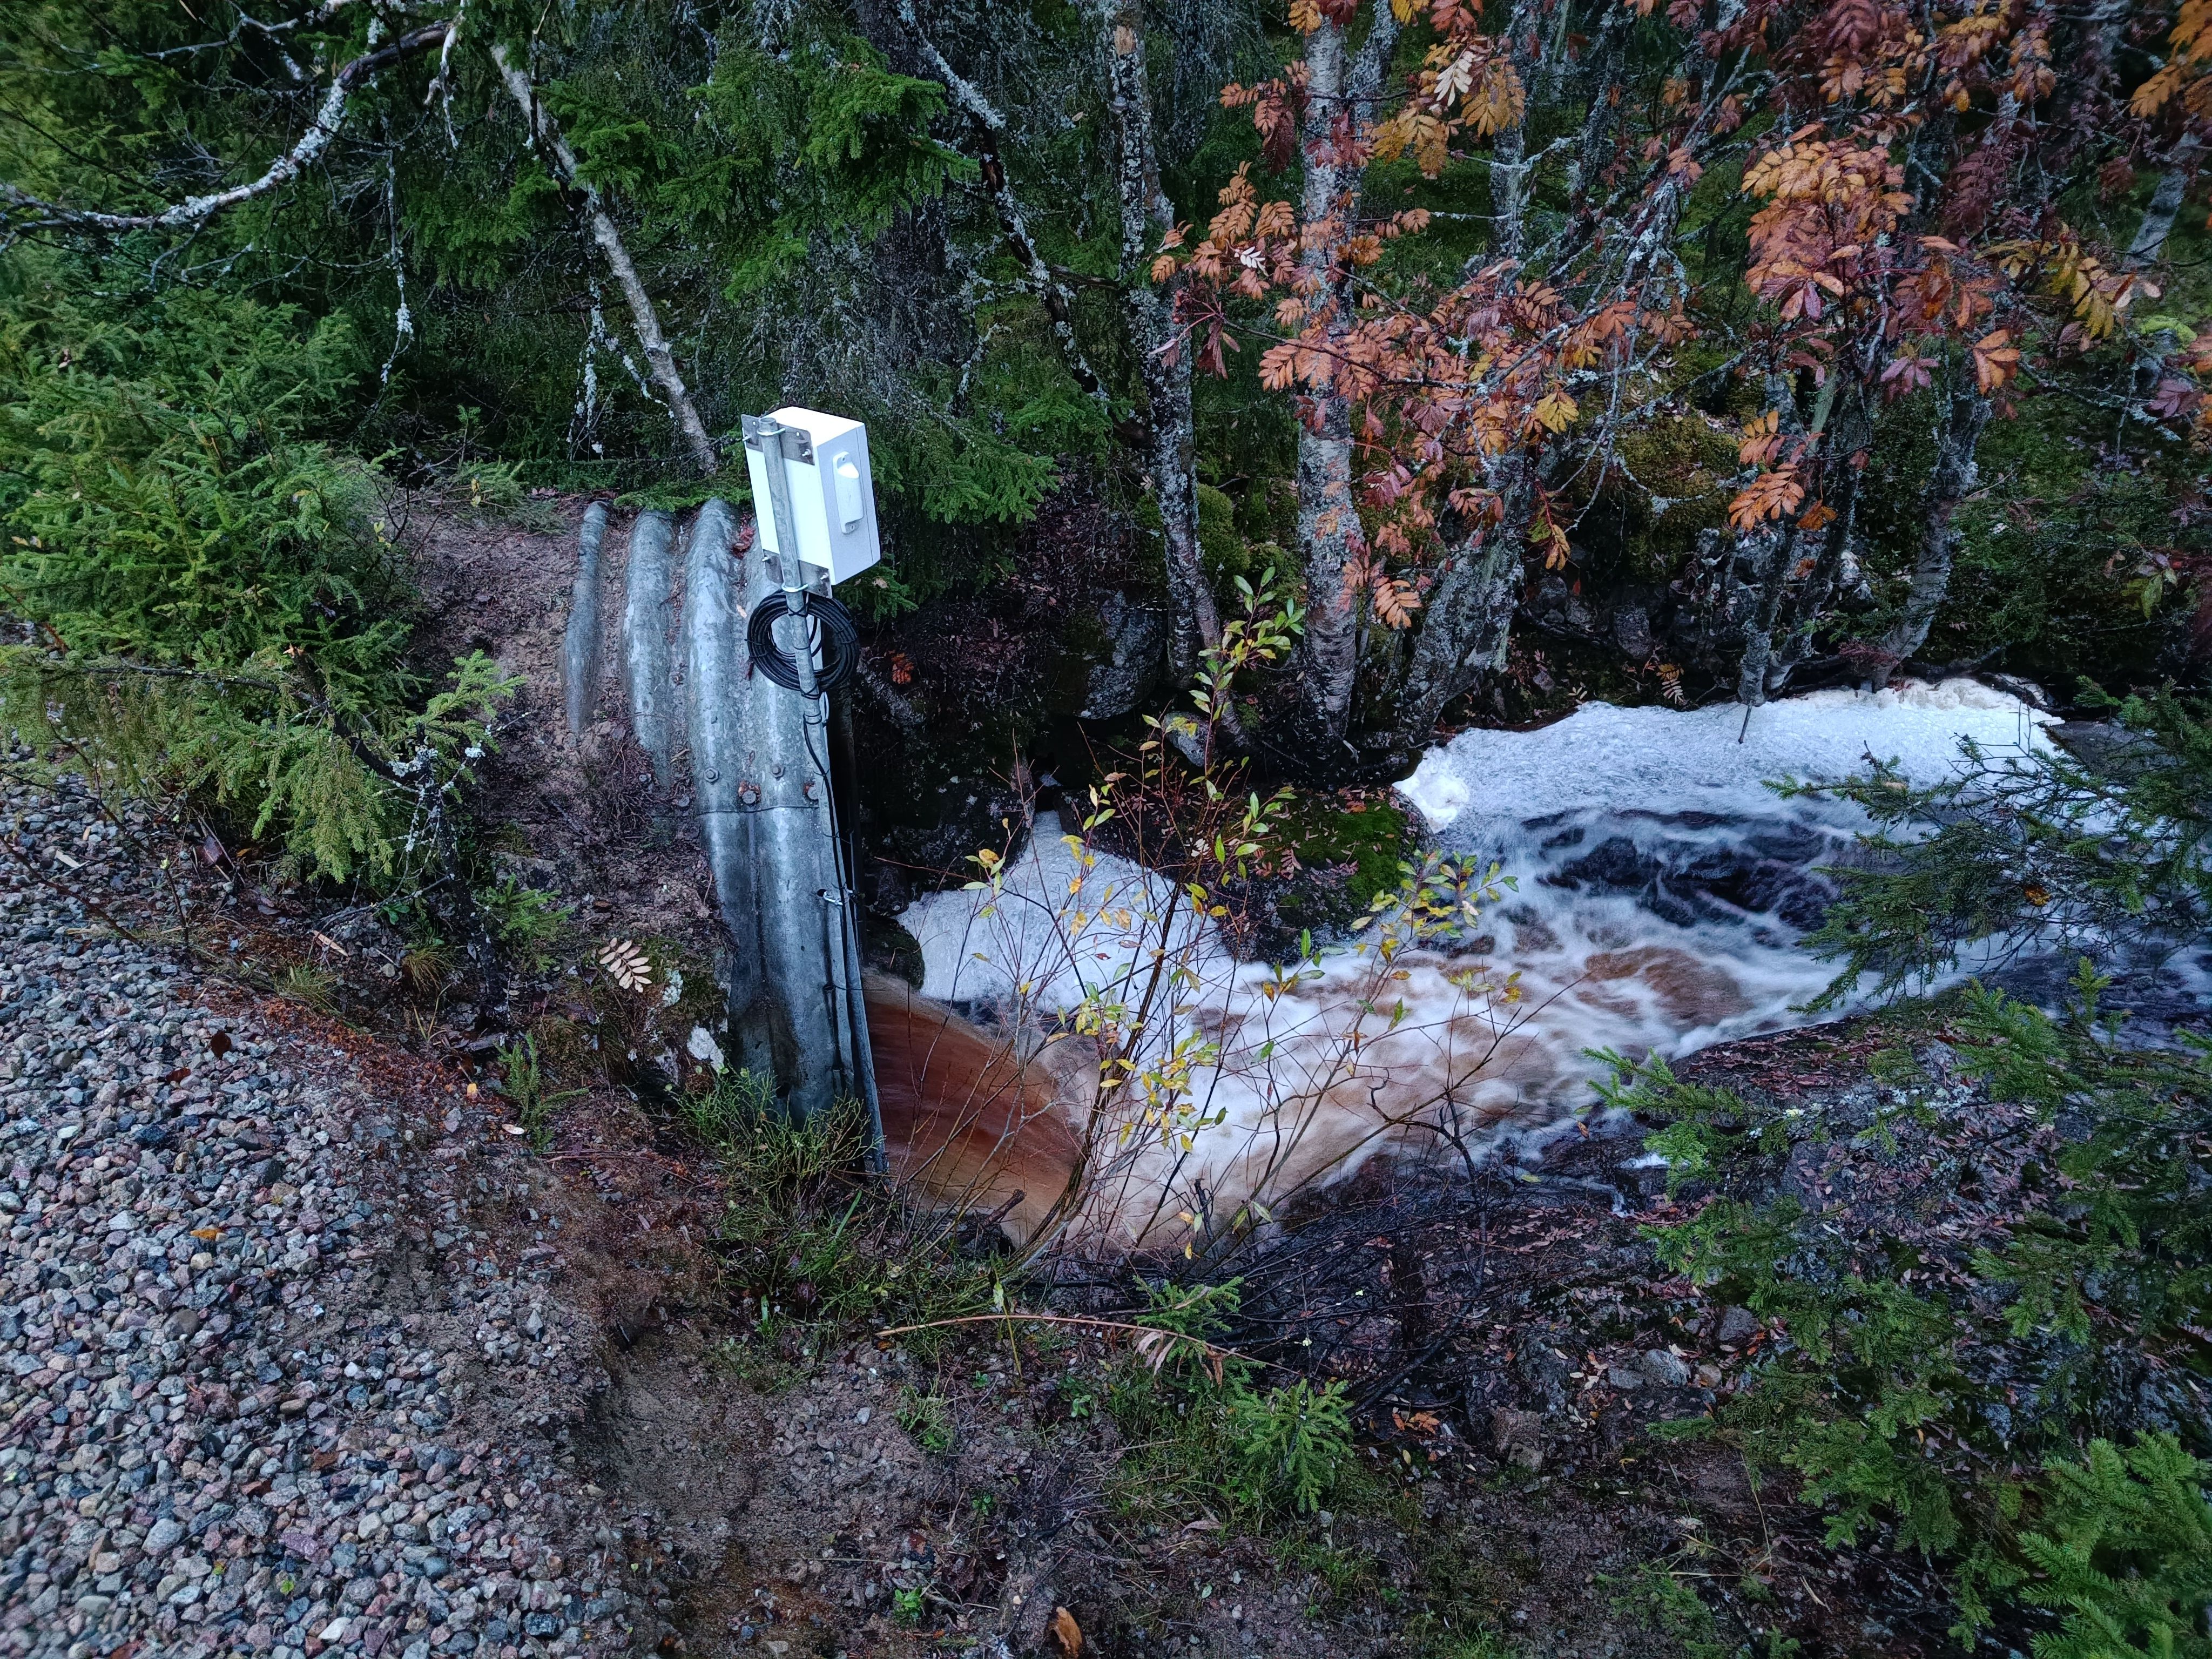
<point>790,965</point>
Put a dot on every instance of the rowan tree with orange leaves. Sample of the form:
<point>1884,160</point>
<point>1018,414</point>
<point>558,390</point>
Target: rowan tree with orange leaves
<point>1903,258</point>
<point>1434,414</point>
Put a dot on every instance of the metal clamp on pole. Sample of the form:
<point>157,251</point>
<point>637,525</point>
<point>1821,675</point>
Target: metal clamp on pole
<point>769,437</point>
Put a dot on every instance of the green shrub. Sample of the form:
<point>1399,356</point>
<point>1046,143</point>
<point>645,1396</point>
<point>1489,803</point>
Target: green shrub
<point>528,920</point>
<point>1933,1356</point>
<point>523,1079</point>
<point>218,612</point>
<point>808,1241</point>
<point>1289,1442</point>
<point>2110,850</point>
<point>2124,1545</point>
<point>1208,1433</point>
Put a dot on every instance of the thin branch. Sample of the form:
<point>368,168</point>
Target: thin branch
<point>988,122</point>
<point>197,210</point>
<point>1161,1340</point>
<point>643,316</point>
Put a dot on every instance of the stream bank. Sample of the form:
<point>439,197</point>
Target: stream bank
<point>579,1444</point>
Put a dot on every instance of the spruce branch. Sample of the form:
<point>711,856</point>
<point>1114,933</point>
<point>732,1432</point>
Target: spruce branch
<point>545,133</point>
<point>986,122</point>
<point>197,210</point>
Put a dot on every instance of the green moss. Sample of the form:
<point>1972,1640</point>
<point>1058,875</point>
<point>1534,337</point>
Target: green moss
<point>2044,581</point>
<point>1371,836</point>
<point>1685,463</point>
<point>1219,546</point>
<point>1269,511</point>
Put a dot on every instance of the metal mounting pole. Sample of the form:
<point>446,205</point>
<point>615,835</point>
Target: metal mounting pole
<point>845,1005</point>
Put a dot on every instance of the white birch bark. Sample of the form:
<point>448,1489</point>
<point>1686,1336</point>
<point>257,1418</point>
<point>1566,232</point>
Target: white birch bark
<point>1326,664</point>
<point>1163,358</point>
<point>986,121</point>
<point>2157,223</point>
<point>644,318</point>
<point>198,210</point>
<point>1966,415</point>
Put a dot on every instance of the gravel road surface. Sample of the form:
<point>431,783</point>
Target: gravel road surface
<point>269,1385</point>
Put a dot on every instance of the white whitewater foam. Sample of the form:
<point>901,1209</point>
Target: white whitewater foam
<point>1603,758</point>
<point>1660,891</point>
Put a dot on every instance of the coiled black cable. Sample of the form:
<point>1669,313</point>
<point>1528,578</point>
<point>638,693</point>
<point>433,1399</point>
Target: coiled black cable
<point>838,637</point>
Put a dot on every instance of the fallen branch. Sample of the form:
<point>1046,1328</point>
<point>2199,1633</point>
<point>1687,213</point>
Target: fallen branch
<point>198,210</point>
<point>643,316</point>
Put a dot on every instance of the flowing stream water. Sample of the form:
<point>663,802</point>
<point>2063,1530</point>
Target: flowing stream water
<point>1660,891</point>
<point>1662,887</point>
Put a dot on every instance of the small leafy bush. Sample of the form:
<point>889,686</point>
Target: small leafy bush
<point>528,921</point>
<point>1210,1431</point>
<point>524,1081</point>
<point>807,1239</point>
<point>1290,1442</point>
<point>217,609</point>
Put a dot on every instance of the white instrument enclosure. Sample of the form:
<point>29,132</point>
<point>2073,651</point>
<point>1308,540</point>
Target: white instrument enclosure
<point>833,497</point>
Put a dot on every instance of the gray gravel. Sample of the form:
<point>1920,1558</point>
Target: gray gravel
<point>266,1387</point>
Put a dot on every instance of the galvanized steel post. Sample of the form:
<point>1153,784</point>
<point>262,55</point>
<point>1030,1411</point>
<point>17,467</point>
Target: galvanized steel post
<point>804,925</point>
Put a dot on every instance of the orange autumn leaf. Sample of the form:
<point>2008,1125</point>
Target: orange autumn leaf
<point>1996,361</point>
<point>1762,439</point>
<point>1770,496</point>
<point>1395,602</point>
<point>1557,411</point>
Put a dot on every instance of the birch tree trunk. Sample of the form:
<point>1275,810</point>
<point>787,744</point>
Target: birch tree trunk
<point>1163,359</point>
<point>1508,150</point>
<point>644,318</point>
<point>1467,619</point>
<point>2164,207</point>
<point>1966,413</point>
<point>1854,432</point>
<point>1324,668</point>
<point>986,121</point>
<point>1768,554</point>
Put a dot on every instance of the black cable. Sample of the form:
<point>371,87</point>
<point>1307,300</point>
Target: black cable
<point>838,638</point>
